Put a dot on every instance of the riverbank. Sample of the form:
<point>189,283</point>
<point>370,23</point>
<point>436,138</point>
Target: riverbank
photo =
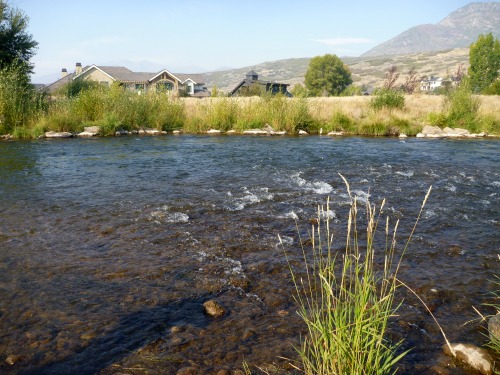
<point>118,112</point>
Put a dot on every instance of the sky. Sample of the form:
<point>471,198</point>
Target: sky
<point>193,36</point>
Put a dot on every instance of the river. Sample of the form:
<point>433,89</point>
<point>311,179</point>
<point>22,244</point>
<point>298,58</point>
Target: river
<point>110,246</point>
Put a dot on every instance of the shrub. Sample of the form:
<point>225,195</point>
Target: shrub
<point>461,108</point>
<point>387,98</point>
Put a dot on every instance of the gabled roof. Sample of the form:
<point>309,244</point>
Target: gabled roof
<point>248,82</point>
<point>164,71</point>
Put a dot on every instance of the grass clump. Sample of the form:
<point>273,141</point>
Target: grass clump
<point>345,300</point>
<point>461,108</point>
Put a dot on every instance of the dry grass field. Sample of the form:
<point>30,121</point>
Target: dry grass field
<point>419,110</point>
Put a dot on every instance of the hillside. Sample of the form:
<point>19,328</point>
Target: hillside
<point>459,29</point>
<point>366,70</point>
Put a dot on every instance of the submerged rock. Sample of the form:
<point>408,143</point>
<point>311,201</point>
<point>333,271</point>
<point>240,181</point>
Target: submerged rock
<point>476,357</point>
<point>494,327</point>
<point>86,134</point>
<point>12,359</point>
<point>255,132</point>
<point>213,309</point>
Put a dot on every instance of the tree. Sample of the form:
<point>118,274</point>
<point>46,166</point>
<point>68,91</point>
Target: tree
<point>391,77</point>
<point>484,62</point>
<point>327,75</point>
<point>411,81</point>
<point>15,42</point>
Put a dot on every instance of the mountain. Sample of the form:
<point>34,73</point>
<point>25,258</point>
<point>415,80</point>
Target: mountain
<point>459,29</point>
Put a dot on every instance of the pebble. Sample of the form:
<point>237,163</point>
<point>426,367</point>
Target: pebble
<point>213,309</point>
<point>12,359</point>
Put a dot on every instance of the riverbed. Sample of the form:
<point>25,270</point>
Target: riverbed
<point>110,246</point>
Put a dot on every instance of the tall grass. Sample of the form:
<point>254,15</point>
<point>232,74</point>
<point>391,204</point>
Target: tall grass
<point>245,113</point>
<point>114,109</point>
<point>345,300</point>
<point>20,104</point>
<point>27,113</point>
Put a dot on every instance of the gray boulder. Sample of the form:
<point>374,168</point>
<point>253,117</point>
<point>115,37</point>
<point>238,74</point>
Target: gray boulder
<point>456,132</point>
<point>52,134</point>
<point>433,131</point>
<point>476,357</point>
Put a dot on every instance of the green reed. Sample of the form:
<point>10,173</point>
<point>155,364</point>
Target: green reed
<point>345,299</point>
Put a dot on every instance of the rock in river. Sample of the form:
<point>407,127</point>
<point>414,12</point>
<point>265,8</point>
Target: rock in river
<point>213,309</point>
<point>472,355</point>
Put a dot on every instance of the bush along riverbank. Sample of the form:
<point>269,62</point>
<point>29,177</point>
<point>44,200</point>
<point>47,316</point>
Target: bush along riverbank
<point>114,111</point>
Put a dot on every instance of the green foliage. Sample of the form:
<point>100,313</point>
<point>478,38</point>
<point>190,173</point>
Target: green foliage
<point>299,91</point>
<point>76,86</point>
<point>340,122</point>
<point>20,103</point>
<point>462,108</point>
<point>327,75</point>
<point>352,90</point>
<point>16,45</point>
<point>387,98</point>
<point>493,89</point>
<point>253,90</point>
<point>484,62</point>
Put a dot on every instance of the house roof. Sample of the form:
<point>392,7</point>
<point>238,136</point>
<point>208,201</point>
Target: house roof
<point>248,82</point>
<point>125,75</point>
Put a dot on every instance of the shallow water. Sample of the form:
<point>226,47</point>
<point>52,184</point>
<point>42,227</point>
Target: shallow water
<point>110,246</point>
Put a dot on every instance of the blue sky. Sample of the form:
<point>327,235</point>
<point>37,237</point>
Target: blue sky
<point>188,36</point>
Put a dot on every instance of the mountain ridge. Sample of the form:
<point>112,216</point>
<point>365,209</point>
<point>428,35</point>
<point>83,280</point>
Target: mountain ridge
<point>459,29</point>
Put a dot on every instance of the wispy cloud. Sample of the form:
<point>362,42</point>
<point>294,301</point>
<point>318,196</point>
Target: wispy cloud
<point>342,41</point>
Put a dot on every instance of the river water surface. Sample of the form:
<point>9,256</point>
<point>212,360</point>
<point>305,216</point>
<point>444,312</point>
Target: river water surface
<point>110,246</point>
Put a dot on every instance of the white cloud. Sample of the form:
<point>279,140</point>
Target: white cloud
<point>342,41</point>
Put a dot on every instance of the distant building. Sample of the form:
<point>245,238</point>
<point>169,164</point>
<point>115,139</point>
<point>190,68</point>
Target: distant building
<point>252,80</point>
<point>429,84</point>
<point>162,81</point>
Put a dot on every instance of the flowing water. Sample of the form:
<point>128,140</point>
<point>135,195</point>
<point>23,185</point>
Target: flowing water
<point>109,247</point>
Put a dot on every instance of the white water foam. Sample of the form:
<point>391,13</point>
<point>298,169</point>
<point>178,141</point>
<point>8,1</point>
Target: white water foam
<point>231,266</point>
<point>318,187</point>
<point>238,203</point>
<point>451,188</point>
<point>289,215</point>
<point>162,215</point>
<point>405,174</point>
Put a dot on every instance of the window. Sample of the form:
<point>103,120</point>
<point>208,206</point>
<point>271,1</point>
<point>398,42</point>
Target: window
<point>164,86</point>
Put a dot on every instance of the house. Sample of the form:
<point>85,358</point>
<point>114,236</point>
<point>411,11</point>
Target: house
<point>244,88</point>
<point>432,83</point>
<point>162,81</point>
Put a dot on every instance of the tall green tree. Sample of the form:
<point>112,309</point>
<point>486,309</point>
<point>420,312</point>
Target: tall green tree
<point>484,62</point>
<point>16,44</point>
<point>327,75</point>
